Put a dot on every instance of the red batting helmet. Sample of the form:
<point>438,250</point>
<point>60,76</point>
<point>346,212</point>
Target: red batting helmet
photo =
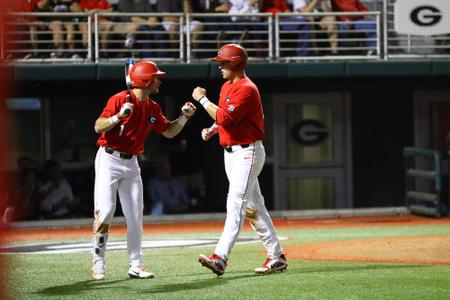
<point>143,74</point>
<point>235,54</point>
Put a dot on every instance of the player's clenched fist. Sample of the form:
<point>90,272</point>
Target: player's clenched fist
<point>207,133</point>
<point>125,110</point>
<point>198,93</point>
<point>188,109</point>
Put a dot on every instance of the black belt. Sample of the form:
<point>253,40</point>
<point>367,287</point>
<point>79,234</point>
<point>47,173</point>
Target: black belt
<point>230,148</point>
<point>122,155</point>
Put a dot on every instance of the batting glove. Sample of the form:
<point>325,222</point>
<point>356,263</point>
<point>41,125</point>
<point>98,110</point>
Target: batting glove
<point>188,110</point>
<point>125,111</point>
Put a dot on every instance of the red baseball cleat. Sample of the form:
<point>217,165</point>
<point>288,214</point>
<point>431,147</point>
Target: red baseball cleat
<point>273,265</point>
<point>214,262</point>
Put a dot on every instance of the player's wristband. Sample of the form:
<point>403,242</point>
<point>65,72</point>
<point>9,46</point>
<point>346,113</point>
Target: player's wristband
<point>114,120</point>
<point>182,120</point>
<point>204,101</point>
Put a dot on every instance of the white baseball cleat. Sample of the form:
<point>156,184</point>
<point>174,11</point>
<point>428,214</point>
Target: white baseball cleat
<point>98,269</point>
<point>140,271</point>
<point>214,262</point>
<point>273,265</point>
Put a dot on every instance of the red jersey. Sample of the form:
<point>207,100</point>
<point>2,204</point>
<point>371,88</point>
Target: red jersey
<point>129,135</point>
<point>95,4</point>
<point>25,6</point>
<point>275,6</point>
<point>348,6</point>
<point>240,114</point>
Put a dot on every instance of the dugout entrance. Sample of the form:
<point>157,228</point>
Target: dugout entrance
<point>312,151</point>
<point>427,191</point>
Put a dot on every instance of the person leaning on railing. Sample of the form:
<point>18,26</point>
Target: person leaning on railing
<point>364,24</point>
<point>92,7</point>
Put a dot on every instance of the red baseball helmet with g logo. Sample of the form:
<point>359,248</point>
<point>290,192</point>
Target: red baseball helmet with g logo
<point>143,74</point>
<point>235,54</point>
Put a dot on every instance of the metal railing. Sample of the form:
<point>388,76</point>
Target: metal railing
<point>425,190</point>
<point>108,37</point>
<point>253,31</point>
<point>56,36</point>
<point>303,36</point>
<point>124,38</point>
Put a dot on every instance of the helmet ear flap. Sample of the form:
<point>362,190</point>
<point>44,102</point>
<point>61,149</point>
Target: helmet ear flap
<point>131,74</point>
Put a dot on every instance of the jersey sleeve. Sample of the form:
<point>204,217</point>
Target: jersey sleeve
<point>239,105</point>
<point>112,107</point>
<point>162,123</point>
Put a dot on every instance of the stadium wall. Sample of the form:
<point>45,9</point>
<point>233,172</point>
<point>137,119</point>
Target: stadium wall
<point>381,113</point>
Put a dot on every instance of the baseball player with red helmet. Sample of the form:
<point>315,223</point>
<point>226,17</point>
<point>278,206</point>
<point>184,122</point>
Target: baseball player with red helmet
<point>239,121</point>
<point>125,123</point>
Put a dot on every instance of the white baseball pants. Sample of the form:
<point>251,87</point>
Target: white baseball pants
<point>114,174</point>
<point>243,166</point>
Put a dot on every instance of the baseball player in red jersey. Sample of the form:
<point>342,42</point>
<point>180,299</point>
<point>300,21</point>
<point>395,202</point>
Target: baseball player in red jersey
<point>239,121</point>
<point>124,125</point>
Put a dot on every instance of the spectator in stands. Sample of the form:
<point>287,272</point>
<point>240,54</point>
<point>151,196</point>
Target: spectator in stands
<point>61,23</point>
<point>281,6</point>
<point>135,24</point>
<point>34,23</point>
<point>361,23</point>
<point>327,23</point>
<point>91,7</point>
<point>244,7</point>
<point>167,194</point>
<point>57,197</point>
<point>196,27</point>
<point>220,24</point>
<point>172,24</point>
<point>275,6</point>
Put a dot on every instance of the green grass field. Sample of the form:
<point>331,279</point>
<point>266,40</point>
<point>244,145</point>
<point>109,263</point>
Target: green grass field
<point>179,276</point>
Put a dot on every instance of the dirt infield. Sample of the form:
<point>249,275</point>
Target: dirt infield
<point>416,250</point>
<point>420,249</point>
